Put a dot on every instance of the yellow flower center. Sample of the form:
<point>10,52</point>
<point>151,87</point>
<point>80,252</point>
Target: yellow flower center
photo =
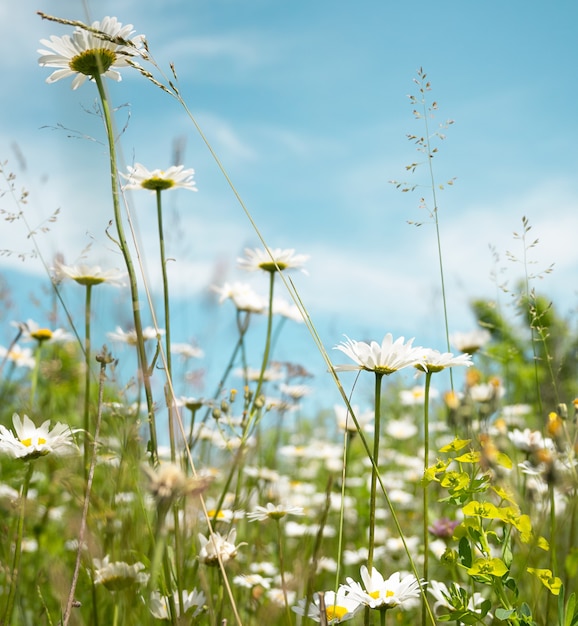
<point>28,442</point>
<point>335,612</point>
<point>157,184</point>
<point>93,62</point>
<point>42,334</point>
<point>269,266</point>
<point>89,281</point>
<point>374,594</point>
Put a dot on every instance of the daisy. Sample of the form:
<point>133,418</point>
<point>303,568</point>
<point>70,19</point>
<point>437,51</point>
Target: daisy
<point>345,420</point>
<point>434,361</point>
<point>159,605</point>
<point>416,395</point>
<point>217,545</point>
<point>118,575</point>
<point>339,607</point>
<point>249,581</point>
<point>20,357</point>
<point>284,308</point>
<point>158,180</point>
<point>31,442</point>
<point>87,275</point>
<point>472,341</point>
<point>382,359</point>
<point>32,331</point>
<point>130,337</point>
<point>378,593</point>
<point>273,260</point>
<point>270,511</point>
<point>88,53</point>
<point>187,350</point>
<point>243,297</point>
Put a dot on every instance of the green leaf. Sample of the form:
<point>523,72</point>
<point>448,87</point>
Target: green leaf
<point>504,614</point>
<point>465,552</point>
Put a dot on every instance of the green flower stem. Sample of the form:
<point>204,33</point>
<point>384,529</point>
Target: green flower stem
<point>428,376</point>
<point>165,283</point>
<point>86,421</point>
<point>267,349</point>
<point>104,359</point>
<point>282,570</point>
<point>35,372</point>
<point>374,470</point>
<point>142,359</point>
<point>7,619</point>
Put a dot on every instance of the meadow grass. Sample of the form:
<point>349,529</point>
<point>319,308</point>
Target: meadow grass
<point>428,505</point>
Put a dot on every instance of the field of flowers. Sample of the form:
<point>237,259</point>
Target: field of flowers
<point>127,502</point>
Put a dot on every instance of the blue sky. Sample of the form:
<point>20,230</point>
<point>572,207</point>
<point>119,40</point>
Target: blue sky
<point>306,105</point>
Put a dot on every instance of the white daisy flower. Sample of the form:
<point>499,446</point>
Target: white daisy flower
<point>130,337</point>
<point>88,275</point>
<point>379,593</point>
<point>139,177</point>
<point>386,358</point>
<point>243,297</point>
<point>272,511</point>
<point>191,604</point>
<point>216,545</point>
<point>434,361</point>
<point>339,607</point>
<point>273,260</point>
<point>31,442</point>
<point>20,357</point>
<point>100,50</point>
<point>472,341</point>
<point>117,575</point>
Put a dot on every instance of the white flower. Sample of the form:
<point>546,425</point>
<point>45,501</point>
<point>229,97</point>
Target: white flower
<point>139,177</point>
<point>416,395</point>
<point>118,575</point>
<point>296,392</point>
<point>130,337</point>
<point>216,545</point>
<point>401,429</point>
<point>434,361</point>
<point>243,297</point>
<point>271,261</point>
<point>386,358</point>
<point>87,275</point>
<point>530,440</point>
<point>270,511</point>
<point>378,593</point>
<point>187,350</point>
<point>88,53</point>
<point>252,580</point>
<point>339,607</point>
<point>443,597</point>
<point>472,341</point>
<point>159,605</point>
<point>32,331</point>
<point>31,442</point>
<point>20,357</point>
<point>345,420</point>
<point>287,309</point>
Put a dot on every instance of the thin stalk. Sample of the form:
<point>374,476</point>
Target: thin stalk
<point>374,470</point>
<point>104,359</point>
<point>7,619</point>
<point>282,570</point>
<point>267,349</point>
<point>86,421</point>
<point>141,352</point>
<point>425,491</point>
<point>165,283</point>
